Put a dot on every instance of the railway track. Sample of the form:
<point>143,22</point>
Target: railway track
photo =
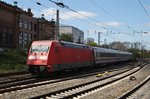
<point>35,82</point>
<point>75,91</point>
<point>13,74</point>
<point>12,83</point>
<point>5,80</point>
<point>139,91</point>
<point>35,85</point>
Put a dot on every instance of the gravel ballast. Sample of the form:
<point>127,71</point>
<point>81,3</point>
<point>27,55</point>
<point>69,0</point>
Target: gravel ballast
<point>116,90</point>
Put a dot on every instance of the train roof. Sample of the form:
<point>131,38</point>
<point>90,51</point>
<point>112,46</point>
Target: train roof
<point>73,45</point>
<point>110,50</point>
<point>63,43</point>
<point>44,42</point>
<point>76,45</point>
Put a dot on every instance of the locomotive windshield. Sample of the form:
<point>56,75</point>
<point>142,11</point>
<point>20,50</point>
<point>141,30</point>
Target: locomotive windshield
<point>39,48</point>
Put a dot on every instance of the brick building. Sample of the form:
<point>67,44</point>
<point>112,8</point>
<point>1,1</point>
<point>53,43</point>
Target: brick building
<point>27,28</point>
<point>18,27</point>
<point>46,28</point>
<point>8,24</point>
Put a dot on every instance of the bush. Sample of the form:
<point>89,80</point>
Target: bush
<point>12,60</point>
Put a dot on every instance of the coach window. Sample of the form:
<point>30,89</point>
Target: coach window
<point>114,55</point>
<point>94,53</point>
<point>97,54</point>
<point>104,54</point>
<point>111,54</point>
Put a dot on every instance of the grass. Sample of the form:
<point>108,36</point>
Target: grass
<point>12,61</point>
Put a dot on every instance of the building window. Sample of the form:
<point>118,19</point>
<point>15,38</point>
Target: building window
<point>5,35</point>
<point>21,23</point>
<point>34,36</point>
<point>26,24</point>
<point>20,38</point>
<point>0,34</point>
<point>10,35</point>
<point>20,35</point>
<point>23,39</point>
<point>30,25</point>
<point>35,27</point>
<point>20,42</point>
<point>25,36</point>
<point>30,37</point>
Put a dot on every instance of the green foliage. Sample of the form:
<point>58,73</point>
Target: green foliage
<point>139,53</point>
<point>136,53</point>
<point>66,37</point>
<point>92,44</point>
<point>104,46</point>
<point>12,60</point>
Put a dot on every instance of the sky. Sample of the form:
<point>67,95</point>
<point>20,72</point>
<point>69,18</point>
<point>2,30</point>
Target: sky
<point>116,20</point>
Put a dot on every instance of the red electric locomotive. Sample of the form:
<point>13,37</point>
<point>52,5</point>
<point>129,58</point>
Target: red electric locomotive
<point>51,56</point>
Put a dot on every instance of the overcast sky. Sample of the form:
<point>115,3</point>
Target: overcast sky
<point>117,20</point>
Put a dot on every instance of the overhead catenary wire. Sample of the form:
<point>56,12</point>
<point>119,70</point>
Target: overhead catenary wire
<point>62,5</point>
<point>103,25</point>
<point>38,3</point>
<point>144,8</point>
<point>65,6</point>
<point>107,12</point>
<point>76,17</point>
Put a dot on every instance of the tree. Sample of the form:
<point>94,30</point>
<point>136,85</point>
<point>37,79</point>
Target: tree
<point>117,45</point>
<point>104,46</point>
<point>136,53</point>
<point>92,44</point>
<point>66,37</point>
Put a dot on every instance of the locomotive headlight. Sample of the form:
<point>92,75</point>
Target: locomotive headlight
<point>31,57</point>
<point>43,57</point>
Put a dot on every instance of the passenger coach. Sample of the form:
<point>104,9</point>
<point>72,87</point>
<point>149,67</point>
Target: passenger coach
<point>103,55</point>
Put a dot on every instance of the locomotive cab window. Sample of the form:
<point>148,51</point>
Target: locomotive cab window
<point>39,48</point>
